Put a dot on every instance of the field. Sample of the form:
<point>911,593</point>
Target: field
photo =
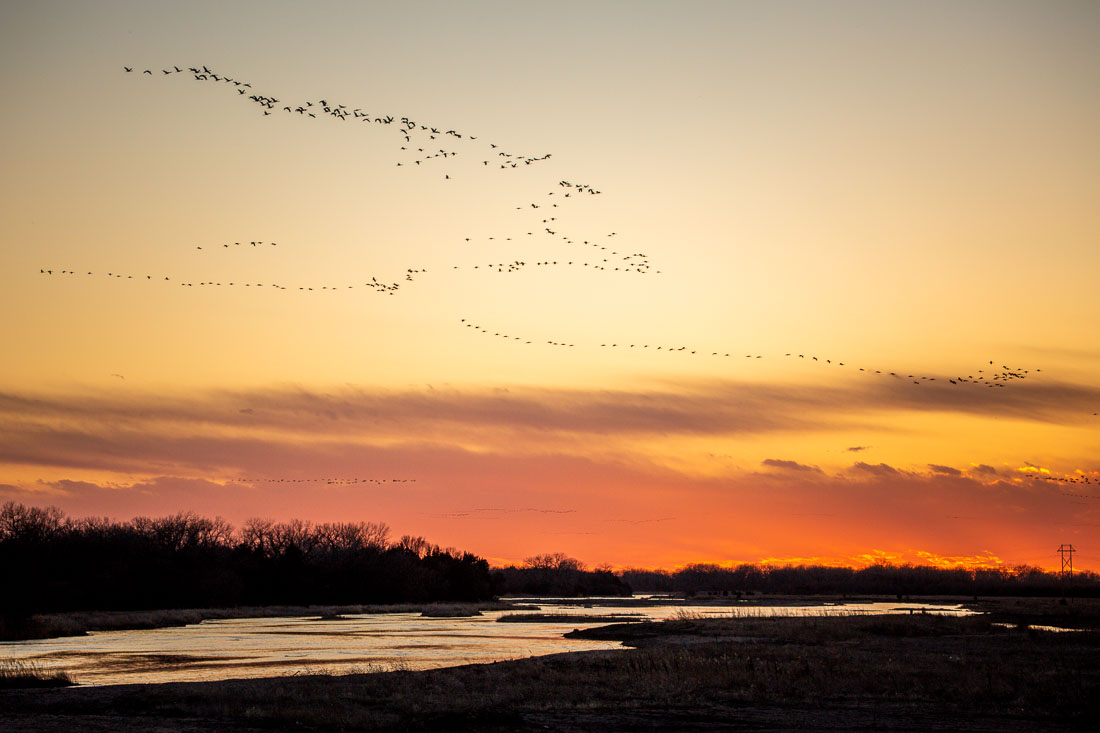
<point>910,672</point>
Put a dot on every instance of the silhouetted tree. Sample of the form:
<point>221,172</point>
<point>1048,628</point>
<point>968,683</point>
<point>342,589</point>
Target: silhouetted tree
<point>49,562</point>
<point>557,574</point>
<point>877,579</point>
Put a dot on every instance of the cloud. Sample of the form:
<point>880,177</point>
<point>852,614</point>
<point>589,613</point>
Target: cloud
<point>983,559</point>
<point>293,431</point>
<point>726,408</point>
<point>945,469</point>
<point>1035,399</point>
<point>149,433</point>
<point>790,465</point>
<point>701,407</point>
<point>881,470</point>
<point>984,470</point>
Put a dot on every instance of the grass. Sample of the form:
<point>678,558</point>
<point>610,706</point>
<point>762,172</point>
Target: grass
<point>15,673</point>
<point>847,672</point>
<point>451,610</point>
<point>684,614</point>
<point>537,618</point>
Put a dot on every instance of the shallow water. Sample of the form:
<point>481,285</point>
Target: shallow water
<point>262,647</point>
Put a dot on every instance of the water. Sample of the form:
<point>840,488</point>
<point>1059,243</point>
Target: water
<point>263,647</point>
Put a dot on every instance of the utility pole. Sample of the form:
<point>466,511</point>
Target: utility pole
<point>1066,551</point>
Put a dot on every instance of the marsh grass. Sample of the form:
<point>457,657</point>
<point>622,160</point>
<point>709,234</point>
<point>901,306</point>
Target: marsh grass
<point>539,618</point>
<point>684,614</point>
<point>16,673</point>
<point>451,610</point>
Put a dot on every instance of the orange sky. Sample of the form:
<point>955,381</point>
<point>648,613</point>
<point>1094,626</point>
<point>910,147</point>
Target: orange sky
<point>826,193</point>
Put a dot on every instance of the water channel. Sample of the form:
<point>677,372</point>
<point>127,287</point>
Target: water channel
<point>263,647</point>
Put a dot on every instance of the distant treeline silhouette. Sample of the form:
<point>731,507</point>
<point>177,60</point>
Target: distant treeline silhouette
<point>878,579</point>
<point>555,574</point>
<point>50,562</point>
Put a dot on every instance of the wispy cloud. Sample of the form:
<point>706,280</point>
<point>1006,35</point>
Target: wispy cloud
<point>881,469</point>
<point>704,407</point>
<point>721,408</point>
<point>984,470</point>
<point>790,465</point>
<point>1035,399</point>
<point>293,431</point>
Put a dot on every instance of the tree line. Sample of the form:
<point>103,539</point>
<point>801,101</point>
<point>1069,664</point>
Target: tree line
<point>558,575</point>
<point>50,562</point>
<point>877,579</point>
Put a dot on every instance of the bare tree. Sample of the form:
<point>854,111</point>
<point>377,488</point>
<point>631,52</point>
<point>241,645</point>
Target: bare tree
<point>18,522</point>
<point>554,561</point>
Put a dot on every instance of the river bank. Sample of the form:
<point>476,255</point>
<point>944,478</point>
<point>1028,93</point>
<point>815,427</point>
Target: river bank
<point>79,623</point>
<point>845,672</point>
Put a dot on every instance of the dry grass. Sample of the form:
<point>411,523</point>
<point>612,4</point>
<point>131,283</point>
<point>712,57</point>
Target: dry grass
<point>568,618</point>
<point>15,673</point>
<point>451,610</point>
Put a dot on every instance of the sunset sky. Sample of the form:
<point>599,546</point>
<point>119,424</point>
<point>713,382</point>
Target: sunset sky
<point>899,187</point>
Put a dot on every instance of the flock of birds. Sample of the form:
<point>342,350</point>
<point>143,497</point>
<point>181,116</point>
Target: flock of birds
<point>463,514</point>
<point>254,243</point>
<point>333,481</point>
<point>373,284</point>
<point>414,136</point>
<point>992,378</point>
<point>418,148</point>
<point>420,143</point>
<point>497,510</point>
<point>423,146</point>
<point>1078,479</point>
<point>379,286</point>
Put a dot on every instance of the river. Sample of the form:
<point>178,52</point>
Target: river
<point>263,647</point>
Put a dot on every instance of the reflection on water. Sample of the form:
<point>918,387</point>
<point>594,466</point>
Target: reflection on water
<point>228,648</point>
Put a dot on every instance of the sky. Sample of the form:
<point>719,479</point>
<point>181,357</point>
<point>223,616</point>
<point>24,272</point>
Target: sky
<point>646,283</point>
